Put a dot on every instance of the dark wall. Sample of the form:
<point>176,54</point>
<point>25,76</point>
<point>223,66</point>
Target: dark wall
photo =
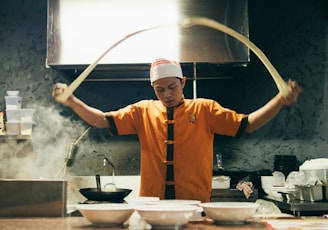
<point>293,35</point>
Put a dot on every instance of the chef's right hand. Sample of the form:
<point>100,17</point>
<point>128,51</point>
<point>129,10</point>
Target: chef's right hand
<point>57,90</point>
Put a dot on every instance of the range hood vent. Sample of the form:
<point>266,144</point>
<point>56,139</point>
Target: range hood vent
<point>79,31</point>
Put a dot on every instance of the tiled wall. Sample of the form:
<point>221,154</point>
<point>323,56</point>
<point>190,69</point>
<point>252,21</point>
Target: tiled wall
<point>293,34</point>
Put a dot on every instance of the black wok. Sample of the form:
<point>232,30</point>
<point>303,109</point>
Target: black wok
<point>116,196</point>
<point>97,194</point>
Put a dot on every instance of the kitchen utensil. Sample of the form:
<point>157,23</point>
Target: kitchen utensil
<point>106,214</point>
<point>167,216</point>
<point>175,202</point>
<point>116,196</point>
<point>141,200</point>
<point>98,183</point>
<point>99,194</point>
<point>229,213</point>
<point>283,87</point>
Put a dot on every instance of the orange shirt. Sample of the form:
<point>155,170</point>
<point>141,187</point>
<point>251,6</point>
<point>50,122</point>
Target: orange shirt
<point>195,123</point>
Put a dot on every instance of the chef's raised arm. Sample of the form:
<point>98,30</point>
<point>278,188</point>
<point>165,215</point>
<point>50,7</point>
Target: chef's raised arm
<point>264,114</point>
<point>92,116</point>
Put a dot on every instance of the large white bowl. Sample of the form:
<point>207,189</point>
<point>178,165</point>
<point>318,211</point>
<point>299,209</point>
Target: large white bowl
<point>229,212</point>
<point>109,214</point>
<point>141,200</point>
<point>175,202</point>
<point>167,216</point>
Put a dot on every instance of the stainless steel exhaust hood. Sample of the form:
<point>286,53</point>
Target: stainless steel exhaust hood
<point>80,30</point>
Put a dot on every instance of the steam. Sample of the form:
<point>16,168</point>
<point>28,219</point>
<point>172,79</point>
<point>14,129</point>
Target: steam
<point>44,155</point>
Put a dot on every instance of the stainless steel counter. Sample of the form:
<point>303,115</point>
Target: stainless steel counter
<point>301,208</point>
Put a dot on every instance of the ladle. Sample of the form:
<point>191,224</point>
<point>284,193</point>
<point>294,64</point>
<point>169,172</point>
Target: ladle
<point>98,183</point>
<point>283,87</point>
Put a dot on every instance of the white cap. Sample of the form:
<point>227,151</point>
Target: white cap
<point>163,68</point>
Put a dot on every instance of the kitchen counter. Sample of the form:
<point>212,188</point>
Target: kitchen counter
<point>65,223</point>
<point>70,223</point>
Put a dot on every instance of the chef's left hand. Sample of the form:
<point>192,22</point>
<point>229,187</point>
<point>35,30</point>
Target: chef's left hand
<point>246,187</point>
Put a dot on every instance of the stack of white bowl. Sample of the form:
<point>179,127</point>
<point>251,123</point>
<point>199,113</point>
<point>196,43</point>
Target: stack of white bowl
<point>19,120</point>
<point>269,186</point>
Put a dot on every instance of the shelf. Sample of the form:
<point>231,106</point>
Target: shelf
<point>15,137</point>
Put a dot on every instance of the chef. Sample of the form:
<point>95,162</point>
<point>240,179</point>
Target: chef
<point>176,134</point>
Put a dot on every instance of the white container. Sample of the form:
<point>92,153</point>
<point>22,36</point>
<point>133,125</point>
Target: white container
<point>317,167</point>
<point>13,115</point>
<point>13,128</point>
<point>26,128</point>
<point>13,93</point>
<point>13,102</point>
<point>221,182</point>
<point>26,115</point>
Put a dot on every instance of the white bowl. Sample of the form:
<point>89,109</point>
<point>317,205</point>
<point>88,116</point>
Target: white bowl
<point>275,192</point>
<point>267,181</point>
<point>12,93</point>
<point>229,212</point>
<point>167,216</point>
<point>141,200</point>
<point>110,214</point>
<point>272,192</point>
<point>175,202</point>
